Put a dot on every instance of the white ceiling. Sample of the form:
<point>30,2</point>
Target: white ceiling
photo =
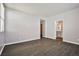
<point>43,9</point>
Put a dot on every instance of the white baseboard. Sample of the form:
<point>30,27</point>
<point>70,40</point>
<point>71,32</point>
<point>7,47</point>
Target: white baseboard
<point>2,49</point>
<point>63,40</point>
<point>50,37</point>
<point>21,41</point>
<point>71,42</point>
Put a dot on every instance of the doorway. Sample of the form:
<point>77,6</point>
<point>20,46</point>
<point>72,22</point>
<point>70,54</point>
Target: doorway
<point>42,28</point>
<point>59,31</point>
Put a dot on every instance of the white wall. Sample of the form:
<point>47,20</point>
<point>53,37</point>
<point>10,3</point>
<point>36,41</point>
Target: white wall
<point>71,26</point>
<point>21,26</point>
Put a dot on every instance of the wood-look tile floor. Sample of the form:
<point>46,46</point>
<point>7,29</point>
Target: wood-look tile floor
<point>41,47</point>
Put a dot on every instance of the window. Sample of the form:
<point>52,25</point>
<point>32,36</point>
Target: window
<point>1,18</point>
<point>1,25</point>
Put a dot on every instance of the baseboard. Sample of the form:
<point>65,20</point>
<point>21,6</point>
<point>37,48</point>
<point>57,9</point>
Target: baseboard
<point>21,41</point>
<point>2,49</point>
<point>50,37</point>
<point>71,42</point>
<point>36,39</point>
<point>65,41</point>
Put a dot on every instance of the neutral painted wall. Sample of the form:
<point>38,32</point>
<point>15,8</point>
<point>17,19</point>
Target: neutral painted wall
<point>21,26</point>
<point>49,28</point>
<point>71,26</point>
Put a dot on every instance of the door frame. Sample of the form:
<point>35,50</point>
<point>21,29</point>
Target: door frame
<point>61,30</point>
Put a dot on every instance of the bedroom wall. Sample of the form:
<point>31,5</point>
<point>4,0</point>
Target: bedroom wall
<point>71,28</point>
<point>21,27</point>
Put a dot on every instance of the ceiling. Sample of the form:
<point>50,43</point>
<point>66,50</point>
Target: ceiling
<point>43,9</point>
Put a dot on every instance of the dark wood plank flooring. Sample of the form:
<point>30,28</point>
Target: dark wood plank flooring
<point>41,47</point>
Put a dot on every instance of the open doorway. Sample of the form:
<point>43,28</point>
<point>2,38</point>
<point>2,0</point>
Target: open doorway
<point>42,28</point>
<point>59,31</point>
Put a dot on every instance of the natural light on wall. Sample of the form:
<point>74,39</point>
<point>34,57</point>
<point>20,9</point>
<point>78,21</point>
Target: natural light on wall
<point>2,18</point>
